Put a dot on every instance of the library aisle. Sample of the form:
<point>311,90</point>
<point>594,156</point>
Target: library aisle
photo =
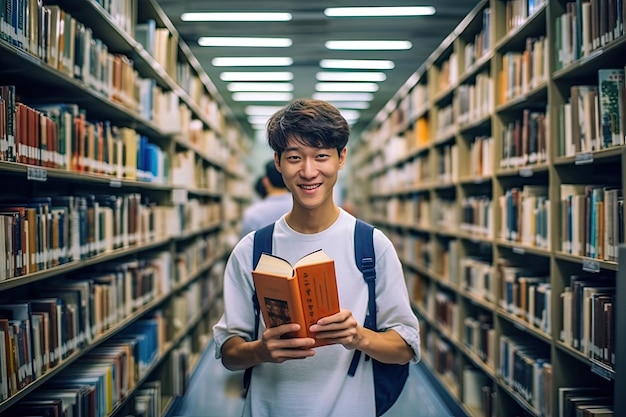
<point>214,392</point>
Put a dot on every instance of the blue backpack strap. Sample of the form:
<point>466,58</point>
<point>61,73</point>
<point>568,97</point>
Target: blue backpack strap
<point>262,244</point>
<point>365,259</point>
<point>389,379</point>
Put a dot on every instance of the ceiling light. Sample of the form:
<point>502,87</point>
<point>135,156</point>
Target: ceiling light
<point>351,76</point>
<point>349,114</point>
<point>378,64</point>
<point>256,76</point>
<point>259,132</point>
<point>235,17</point>
<point>258,120</point>
<point>283,87</point>
<point>344,96</point>
<point>262,96</point>
<point>261,110</point>
<point>252,61</point>
<point>362,105</point>
<point>365,45</point>
<point>379,11</point>
<point>245,42</point>
<point>365,87</point>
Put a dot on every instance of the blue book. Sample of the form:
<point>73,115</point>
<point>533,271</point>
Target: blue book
<point>145,35</point>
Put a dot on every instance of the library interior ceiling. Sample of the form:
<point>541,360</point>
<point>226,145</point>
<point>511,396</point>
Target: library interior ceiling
<point>304,35</point>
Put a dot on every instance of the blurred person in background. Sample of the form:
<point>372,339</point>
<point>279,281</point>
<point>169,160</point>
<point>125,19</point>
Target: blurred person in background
<point>276,202</point>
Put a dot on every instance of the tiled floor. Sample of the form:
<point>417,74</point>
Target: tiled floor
<point>215,392</point>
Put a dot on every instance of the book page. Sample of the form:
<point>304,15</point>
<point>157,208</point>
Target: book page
<point>271,264</point>
<point>313,258</point>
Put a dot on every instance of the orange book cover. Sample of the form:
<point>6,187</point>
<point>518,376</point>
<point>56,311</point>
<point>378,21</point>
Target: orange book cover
<point>422,134</point>
<point>302,293</point>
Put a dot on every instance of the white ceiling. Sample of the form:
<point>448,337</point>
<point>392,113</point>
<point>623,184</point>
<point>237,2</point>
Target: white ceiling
<point>310,29</point>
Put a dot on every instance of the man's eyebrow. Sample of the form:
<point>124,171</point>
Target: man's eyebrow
<point>292,148</point>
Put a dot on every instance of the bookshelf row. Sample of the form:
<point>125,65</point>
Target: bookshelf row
<point>498,170</point>
<point>84,309</point>
<point>122,188</point>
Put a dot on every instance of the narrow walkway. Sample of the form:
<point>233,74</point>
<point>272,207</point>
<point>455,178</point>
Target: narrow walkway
<point>215,391</point>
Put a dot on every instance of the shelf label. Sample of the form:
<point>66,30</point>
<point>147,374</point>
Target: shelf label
<point>590,265</point>
<point>519,251</point>
<point>36,174</point>
<point>591,56</point>
<point>584,158</point>
<point>179,196</point>
<point>526,172</point>
<point>601,371</point>
<point>115,184</point>
<point>518,99</point>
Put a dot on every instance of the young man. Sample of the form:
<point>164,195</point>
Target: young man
<point>276,203</point>
<point>290,378</point>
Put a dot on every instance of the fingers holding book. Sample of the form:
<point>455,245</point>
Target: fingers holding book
<point>340,328</point>
<point>277,346</point>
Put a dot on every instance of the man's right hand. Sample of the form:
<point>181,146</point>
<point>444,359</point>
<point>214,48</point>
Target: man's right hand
<point>273,347</point>
<point>238,354</point>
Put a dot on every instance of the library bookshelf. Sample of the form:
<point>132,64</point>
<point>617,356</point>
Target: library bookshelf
<point>498,170</point>
<point>121,192</point>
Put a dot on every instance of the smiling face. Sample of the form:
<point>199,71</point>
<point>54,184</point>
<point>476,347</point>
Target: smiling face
<point>310,174</point>
<point>309,139</point>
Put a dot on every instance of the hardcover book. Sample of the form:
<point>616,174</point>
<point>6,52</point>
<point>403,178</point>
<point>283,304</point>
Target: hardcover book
<point>302,293</point>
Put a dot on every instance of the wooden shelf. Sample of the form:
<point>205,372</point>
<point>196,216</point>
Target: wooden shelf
<point>165,270</point>
<point>439,235</point>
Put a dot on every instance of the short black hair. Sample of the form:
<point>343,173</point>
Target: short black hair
<point>274,177</point>
<point>259,187</point>
<point>311,122</point>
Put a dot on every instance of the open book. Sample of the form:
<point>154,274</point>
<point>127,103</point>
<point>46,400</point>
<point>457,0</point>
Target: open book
<point>300,294</point>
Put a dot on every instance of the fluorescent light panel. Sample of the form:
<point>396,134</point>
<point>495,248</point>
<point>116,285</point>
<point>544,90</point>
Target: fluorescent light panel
<point>361,87</point>
<point>361,105</point>
<point>256,76</point>
<point>351,76</point>
<point>350,114</point>
<point>261,110</point>
<point>244,42</point>
<point>380,11</point>
<point>278,87</point>
<point>246,96</point>
<point>258,120</point>
<point>378,64</point>
<point>252,61</point>
<point>368,45</point>
<point>235,17</point>
<point>344,96</point>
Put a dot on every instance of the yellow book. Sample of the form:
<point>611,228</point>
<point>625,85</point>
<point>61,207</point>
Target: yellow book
<point>130,140</point>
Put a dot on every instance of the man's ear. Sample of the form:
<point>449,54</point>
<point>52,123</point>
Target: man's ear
<point>342,157</point>
<point>277,162</point>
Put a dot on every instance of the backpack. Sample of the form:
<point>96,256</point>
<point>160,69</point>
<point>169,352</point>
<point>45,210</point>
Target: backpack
<point>389,379</point>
